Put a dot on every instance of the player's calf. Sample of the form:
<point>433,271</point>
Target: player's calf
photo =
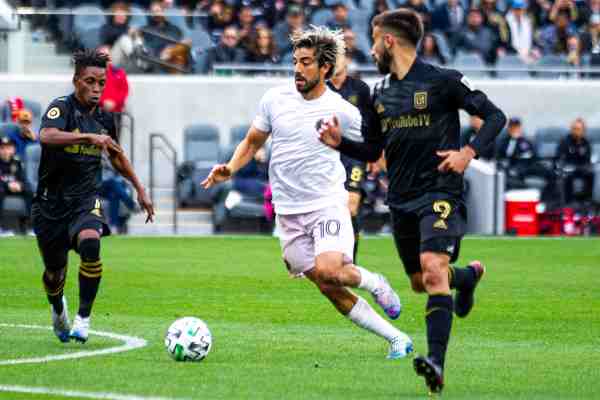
<point>467,278</point>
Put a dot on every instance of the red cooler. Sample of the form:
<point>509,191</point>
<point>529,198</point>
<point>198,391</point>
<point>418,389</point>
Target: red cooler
<point>521,212</point>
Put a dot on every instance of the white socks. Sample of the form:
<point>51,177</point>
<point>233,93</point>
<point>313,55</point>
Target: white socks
<point>363,315</point>
<point>368,280</point>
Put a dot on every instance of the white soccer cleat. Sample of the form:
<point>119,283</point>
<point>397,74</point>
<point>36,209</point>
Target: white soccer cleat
<point>81,327</point>
<point>400,347</point>
<point>60,323</point>
<point>387,298</point>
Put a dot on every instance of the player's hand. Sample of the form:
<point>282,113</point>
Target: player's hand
<point>456,161</point>
<point>219,173</point>
<point>107,144</point>
<point>330,132</point>
<point>146,204</point>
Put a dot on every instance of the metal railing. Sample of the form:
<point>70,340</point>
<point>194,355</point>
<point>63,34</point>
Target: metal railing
<point>131,128</point>
<point>155,140</point>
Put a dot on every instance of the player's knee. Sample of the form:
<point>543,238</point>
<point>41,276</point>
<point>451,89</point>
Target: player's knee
<point>326,289</point>
<point>328,276</point>
<point>89,249</point>
<point>433,267</point>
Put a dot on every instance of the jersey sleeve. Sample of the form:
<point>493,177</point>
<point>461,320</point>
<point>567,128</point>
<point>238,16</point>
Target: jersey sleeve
<point>351,123</point>
<point>463,95</point>
<point>56,115</point>
<point>262,121</point>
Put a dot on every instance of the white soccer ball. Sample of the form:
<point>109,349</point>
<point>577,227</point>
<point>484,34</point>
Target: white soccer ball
<point>188,339</point>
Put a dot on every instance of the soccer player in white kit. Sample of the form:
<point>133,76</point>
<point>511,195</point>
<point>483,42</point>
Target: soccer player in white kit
<point>307,180</point>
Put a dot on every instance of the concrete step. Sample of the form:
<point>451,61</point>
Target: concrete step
<point>189,222</point>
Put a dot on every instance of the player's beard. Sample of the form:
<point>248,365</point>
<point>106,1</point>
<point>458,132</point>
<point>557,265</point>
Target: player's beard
<point>383,64</point>
<point>308,85</point>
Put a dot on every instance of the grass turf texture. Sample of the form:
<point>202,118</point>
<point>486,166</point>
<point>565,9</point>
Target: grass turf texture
<point>533,333</point>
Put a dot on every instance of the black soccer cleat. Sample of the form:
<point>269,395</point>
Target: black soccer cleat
<point>433,373</point>
<point>464,299</point>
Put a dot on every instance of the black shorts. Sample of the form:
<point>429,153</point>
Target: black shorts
<point>430,225</point>
<point>355,174</point>
<point>56,237</point>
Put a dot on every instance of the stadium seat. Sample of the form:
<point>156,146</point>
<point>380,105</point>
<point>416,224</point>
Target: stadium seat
<point>547,140</point>
<point>137,18</point>
<point>200,38</point>
<point>201,143</point>
<point>90,38</point>
<point>177,17</point>
<point>508,67</point>
<point>238,133</point>
<point>320,17</point>
<point>471,63</point>
<point>33,153</point>
<point>550,61</point>
<point>86,17</point>
<point>15,209</point>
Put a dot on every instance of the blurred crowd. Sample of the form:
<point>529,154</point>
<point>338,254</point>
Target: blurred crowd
<point>191,36</point>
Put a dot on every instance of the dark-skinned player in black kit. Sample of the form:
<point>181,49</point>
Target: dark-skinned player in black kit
<point>415,118</point>
<point>66,212</point>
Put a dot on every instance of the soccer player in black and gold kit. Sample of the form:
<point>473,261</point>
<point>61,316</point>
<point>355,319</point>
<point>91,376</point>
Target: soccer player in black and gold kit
<point>414,118</point>
<point>66,212</point>
<point>358,94</point>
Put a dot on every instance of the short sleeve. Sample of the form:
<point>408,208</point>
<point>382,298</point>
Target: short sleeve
<point>351,123</point>
<point>56,115</point>
<point>262,121</point>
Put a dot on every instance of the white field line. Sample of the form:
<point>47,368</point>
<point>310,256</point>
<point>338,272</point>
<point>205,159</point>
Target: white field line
<point>75,393</point>
<point>129,343</point>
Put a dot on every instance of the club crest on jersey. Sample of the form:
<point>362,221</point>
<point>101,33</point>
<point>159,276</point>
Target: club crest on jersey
<point>420,100</point>
<point>380,108</point>
<point>53,113</point>
<point>353,100</point>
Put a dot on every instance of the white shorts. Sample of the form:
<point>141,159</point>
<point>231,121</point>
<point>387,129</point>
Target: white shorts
<point>304,236</point>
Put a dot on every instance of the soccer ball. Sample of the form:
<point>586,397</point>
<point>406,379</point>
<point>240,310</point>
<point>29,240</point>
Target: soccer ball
<point>188,339</point>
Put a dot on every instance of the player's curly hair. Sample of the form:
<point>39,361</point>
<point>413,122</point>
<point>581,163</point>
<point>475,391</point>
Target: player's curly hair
<point>404,23</point>
<point>328,44</point>
<point>88,58</point>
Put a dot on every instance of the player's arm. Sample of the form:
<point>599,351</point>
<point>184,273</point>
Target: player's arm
<point>244,152</point>
<point>475,102</point>
<point>53,133</point>
<point>368,150</point>
<point>121,163</point>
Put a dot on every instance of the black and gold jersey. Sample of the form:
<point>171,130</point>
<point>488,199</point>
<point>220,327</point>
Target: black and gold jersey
<point>71,174</point>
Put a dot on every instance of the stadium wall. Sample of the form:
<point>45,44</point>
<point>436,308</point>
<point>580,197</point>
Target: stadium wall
<point>167,104</point>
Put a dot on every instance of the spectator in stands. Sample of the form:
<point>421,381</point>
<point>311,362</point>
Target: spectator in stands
<point>588,10</point>
<point>116,90</point>
<point>340,18</point>
<point>159,26</point>
<point>252,180</point>
<point>356,54</point>
<point>517,156</point>
<point>379,7</point>
<point>12,177</point>
<point>448,18</point>
<point>471,132</point>
<point>246,26</point>
<point>574,157</point>
<point>228,50</point>
<point>420,7</point>
<point>116,25</point>
<point>220,15</point>
<point>294,21</point>
<point>590,38</point>
<point>553,38</point>
<point>494,20</point>
<point>262,47</point>
<point>521,31</point>
<point>179,56</point>
<point>566,7</point>
<point>574,51</point>
<point>429,50</point>
<point>116,191</point>
<point>22,135</point>
<point>539,10</point>
<point>477,38</point>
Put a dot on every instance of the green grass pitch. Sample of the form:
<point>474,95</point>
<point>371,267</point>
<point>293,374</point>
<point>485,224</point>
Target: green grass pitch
<point>534,332</point>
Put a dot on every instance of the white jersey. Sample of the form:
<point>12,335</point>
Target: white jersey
<point>305,174</point>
